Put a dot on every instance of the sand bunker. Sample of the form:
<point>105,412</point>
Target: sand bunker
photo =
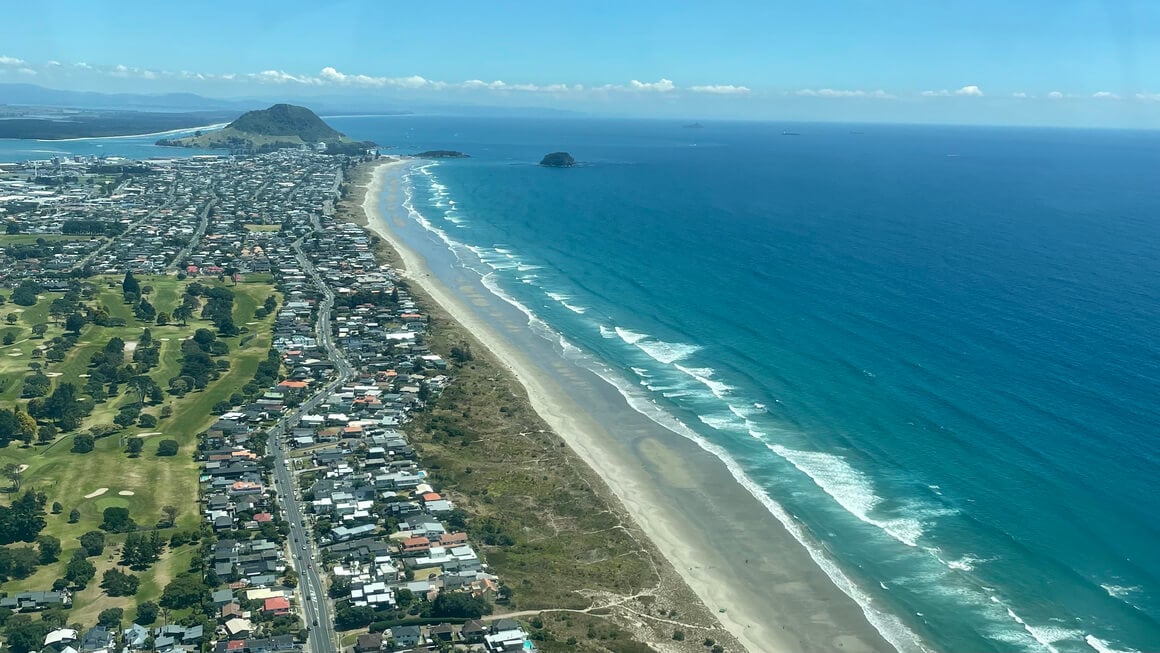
<point>16,353</point>
<point>126,493</point>
<point>130,347</point>
<point>84,376</point>
<point>97,492</point>
<point>148,433</point>
<point>52,375</point>
<point>164,339</point>
<point>20,469</point>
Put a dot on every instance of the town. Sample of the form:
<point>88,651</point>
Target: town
<point>216,303</point>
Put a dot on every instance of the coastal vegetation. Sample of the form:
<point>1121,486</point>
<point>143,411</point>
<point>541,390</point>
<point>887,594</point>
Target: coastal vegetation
<point>102,403</point>
<point>558,160</point>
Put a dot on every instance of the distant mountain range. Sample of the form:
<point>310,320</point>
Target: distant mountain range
<point>39,96</point>
<point>31,95</point>
<point>280,126</point>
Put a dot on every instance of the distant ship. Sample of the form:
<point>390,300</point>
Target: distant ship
<point>789,133</point>
<point>694,125</point>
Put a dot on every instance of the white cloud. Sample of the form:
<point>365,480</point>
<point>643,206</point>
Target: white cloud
<point>11,61</point>
<point>662,85</point>
<point>1055,95</point>
<point>720,89</point>
<point>278,77</point>
<point>966,91</point>
<point>1148,97</point>
<point>26,71</point>
<point>844,93</point>
<point>52,62</point>
<point>1105,95</point>
<point>1021,95</point>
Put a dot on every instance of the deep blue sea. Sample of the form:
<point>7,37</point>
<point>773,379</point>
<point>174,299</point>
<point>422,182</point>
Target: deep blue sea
<point>937,347</point>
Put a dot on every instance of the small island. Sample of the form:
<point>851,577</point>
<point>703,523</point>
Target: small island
<point>441,154</point>
<point>280,126</point>
<point>558,160</point>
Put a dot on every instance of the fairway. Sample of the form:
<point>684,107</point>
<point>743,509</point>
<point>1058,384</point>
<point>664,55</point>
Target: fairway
<point>143,484</point>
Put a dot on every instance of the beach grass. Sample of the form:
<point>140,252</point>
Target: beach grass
<point>149,482</point>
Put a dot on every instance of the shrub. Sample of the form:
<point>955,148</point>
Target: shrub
<point>167,448</point>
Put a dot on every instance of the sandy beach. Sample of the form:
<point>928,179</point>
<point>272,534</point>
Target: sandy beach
<point>746,567</point>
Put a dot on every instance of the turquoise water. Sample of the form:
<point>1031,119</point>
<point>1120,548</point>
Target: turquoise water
<point>935,347</point>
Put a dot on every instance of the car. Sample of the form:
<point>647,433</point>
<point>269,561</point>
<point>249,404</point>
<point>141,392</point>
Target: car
<point>303,546</point>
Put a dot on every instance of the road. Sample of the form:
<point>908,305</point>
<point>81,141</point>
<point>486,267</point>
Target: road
<point>199,231</point>
<point>316,605</point>
<point>169,199</point>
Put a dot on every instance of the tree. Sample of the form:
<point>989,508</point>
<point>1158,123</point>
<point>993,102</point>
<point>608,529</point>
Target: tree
<point>80,571</point>
<point>74,516</point>
<point>28,426</point>
<point>111,618</point>
<point>185,590</point>
<point>57,507</point>
<point>162,318</point>
<point>46,434</point>
<point>93,543</point>
<point>170,514</point>
<point>12,472</point>
<point>117,520</point>
<point>142,384</point>
<point>22,634</point>
<point>167,448</point>
<point>82,443</point>
<point>144,311</point>
<point>182,314</point>
<point>118,583</point>
<point>23,520</point>
<point>26,293</point>
<point>9,337</point>
<point>49,548</point>
<point>75,322</point>
<point>134,446</point>
<point>130,287</point>
<point>39,329</point>
<point>146,613</point>
<point>459,605</point>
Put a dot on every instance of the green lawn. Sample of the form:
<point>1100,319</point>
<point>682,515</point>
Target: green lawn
<point>153,481</point>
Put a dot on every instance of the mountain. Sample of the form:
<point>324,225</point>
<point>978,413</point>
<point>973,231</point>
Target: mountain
<point>40,96</point>
<point>280,126</point>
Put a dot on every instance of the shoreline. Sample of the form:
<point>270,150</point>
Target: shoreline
<point>105,138</point>
<point>682,497</point>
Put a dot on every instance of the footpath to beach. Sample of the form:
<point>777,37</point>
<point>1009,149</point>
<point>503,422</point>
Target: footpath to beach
<point>755,577</point>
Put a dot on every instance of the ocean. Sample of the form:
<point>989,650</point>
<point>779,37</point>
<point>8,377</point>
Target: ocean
<point>935,347</point>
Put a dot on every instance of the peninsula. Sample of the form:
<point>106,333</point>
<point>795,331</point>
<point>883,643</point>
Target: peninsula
<point>279,127</point>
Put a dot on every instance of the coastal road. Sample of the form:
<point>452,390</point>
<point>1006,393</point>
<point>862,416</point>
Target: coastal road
<point>315,604</point>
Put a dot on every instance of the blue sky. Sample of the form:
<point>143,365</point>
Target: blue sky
<point>1094,62</point>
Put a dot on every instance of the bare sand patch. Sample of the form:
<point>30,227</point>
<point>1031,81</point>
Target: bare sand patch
<point>84,376</point>
<point>164,339</point>
<point>16,353</point>
<point>53,375</point>
<point>126,493</point>
<point>20,469</point>
<point>130,347</point>
<point>97,492</point>
<point>148,433</point>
